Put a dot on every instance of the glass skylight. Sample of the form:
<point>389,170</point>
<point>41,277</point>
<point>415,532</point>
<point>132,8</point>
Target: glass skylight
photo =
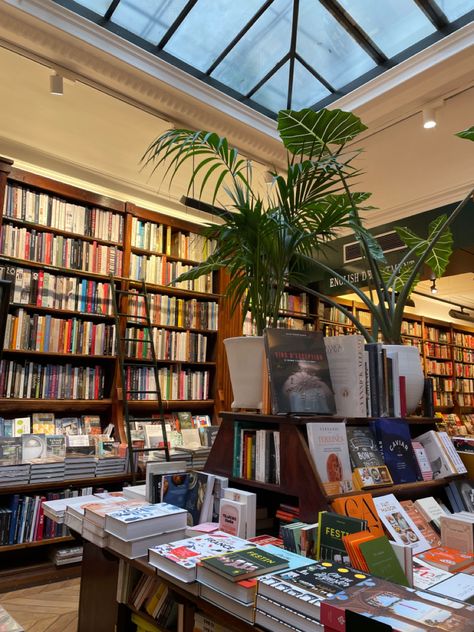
<point>272,54</point>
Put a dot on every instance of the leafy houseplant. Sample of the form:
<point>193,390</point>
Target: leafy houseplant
<point>262,238</point>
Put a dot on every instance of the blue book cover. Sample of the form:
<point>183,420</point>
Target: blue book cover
<point>294,560</point>
<point>394,439</point>
<point>175,489</point>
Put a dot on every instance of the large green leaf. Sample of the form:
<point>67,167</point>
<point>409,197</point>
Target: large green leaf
<point>309,132</point>
<point>399,279</point>
<point>438,258</point>
<point>467,133</point>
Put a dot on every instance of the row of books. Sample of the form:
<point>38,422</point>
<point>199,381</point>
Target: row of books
<point>48,210</point>
<point>44,289</point>
<point>177,312</point>
<point>48,424</point>
<point>59,251</point>
<point>283,322</point>
<point>464,339</point>
<point>435,334</point>
<point>327,312</point>
<point>23,520</point>
<point>32,380</point>
<point>463,355</point>
<point>465,385</point>
<point>175,383</point>
<point>444,400</point>
<point>162,239</point>
<point>455,424</point>
<point>353,457</point>
<point>157,270</point>
<point>256,453</point>
<point>464,370</point>
<point>411,328</point>
<point>295,303</point>
<point>437,350</point>
<point>35,332</point>
<point>438,368</point>
<point>169,345</point>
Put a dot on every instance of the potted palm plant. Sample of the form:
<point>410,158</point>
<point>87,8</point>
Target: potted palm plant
<point>268,242</point>
<point>261,236</point>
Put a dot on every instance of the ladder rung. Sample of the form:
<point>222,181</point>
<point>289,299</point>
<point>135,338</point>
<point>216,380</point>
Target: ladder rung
<point>127,293</point>
<point>131,316</point>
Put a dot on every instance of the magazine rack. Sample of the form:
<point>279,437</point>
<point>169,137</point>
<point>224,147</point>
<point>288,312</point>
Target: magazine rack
<point>299,481</point>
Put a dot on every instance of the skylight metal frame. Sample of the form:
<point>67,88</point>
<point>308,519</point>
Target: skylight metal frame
<point>430,9</point>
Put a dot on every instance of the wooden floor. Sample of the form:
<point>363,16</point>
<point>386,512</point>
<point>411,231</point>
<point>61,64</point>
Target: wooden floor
<point>48,608</point>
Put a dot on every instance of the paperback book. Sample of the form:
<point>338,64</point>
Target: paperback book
<point>332,527</point>
<point>394,440</point>
<point>245,564</point>
<point>328,446</point>
<point>398,523</point>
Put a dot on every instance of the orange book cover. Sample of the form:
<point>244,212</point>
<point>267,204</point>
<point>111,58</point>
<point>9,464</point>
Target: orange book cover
<point>446,558</point>
<point>360,506</point>
<point>425,528</point>
<point>352,542</point>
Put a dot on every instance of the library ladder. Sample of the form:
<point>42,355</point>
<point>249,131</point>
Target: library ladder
<point>132,389</point>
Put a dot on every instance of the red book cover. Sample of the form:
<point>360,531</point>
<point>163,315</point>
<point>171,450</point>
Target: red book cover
<point>40,521</point>
<point>93,339</point>
<point>39,296</point>
<point>96,382</point>
<point>403,396</point>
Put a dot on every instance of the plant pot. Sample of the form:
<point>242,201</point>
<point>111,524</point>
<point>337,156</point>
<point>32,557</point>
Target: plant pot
<point>245,358</point>
<point>410,366</point>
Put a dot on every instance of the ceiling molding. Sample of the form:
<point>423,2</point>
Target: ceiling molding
<point>102,59</point>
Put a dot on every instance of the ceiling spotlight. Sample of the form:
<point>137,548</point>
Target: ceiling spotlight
<point>433,288</point>
<point>429,118</point>
<point>56,84</point>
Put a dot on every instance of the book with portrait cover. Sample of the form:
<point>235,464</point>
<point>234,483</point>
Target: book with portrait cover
<point>298,369</point>
<point>404,609</point>
<point>327,443</point>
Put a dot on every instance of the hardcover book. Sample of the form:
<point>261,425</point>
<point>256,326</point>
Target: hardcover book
<point>245,564</point>
<point>133,523</point>
<point>43,423</point>
<point>332,527</point>
<point>437,456</point>
<point>322,578</point>
<point>404,609</point>
<point>56,445</point>
<point>10,450</point>
<point>395,445</point>
<point>298,370</point>
<point>458,532</point>
<point>370,477</point>
<point>423,462</point>
<point>398,524</point>
<point>382,561</point>
<point>431,510</point>
<point>328,446</point>
<point>459,586</point>
<point>447,558</point>
<point>423,525</point>
<point>426,575</point>
<point>360,506</point>
<point>363,448</point>
<point>179,558</point>
<point>233,517</point>
<point>465,491</point>
<point>33,446</point>
<point>347,370</point>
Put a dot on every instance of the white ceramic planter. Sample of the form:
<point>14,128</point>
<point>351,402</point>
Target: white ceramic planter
<point>245,357</point>
<point>410,366</point>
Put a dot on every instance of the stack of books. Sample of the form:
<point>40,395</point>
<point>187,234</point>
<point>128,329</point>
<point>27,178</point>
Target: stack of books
<point>132,530</point>
<point>14,474</point>
<point>56,509</point>
<point>74,514</point>
<point>48,469</point>
<point>79,467</point>
<point>109,465</point>
<point>66,555</point>
<point>94,514</point>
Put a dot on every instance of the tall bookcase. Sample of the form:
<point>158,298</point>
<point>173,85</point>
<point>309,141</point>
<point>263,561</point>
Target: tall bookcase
<point>62,247</point>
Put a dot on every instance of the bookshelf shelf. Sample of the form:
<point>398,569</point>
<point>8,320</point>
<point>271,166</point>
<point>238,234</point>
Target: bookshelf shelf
<point>406,489</point>
<point>35,543</point>
<point>27,263</point>
<point>53,354</point>
<point>166,289</point>
<point>65,233</point>
<point>55,405</point>
<point>171,404</point>
<point>74,482</point>
<point>61,312</point>
<point>190,329</point>
<point>164,362</point>
<point>156,253</point>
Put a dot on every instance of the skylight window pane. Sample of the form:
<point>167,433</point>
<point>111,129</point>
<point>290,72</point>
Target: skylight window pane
<point>208,28</point>
<point>454,9</point>
<point>394,25</point>
<point>99,6</point>
<point>326,46</point>
<point>307,90</point>
<point>274,92</point>
<point>149,19</point>
<point>259,50</point>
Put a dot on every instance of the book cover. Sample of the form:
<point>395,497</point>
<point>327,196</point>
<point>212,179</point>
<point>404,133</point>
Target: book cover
<point>185,419</point>
<point>465,490</point>
<point>431,510</point>
<point>322,578</point>
<point>363,448</point>
<point>245,564</point>
<point>370,477</point>
<point>91,424</point>
<point>426,575</point>
<point>459,587</point>
<point>423,462</point>
<point>298,369</point>
<point>360,506</point>
<point>458,533</point>
<point>447,558</point>
<point>10,450</point>
<point>345,356</point>
<point>21,425</point>
<point>398,524</point>
<point>33,446</point>
<point>328,446</point>
<point>250,501</point>
<point>423,525</point>
<point>175,488</point>
<point>395,445</point>
<point>439,462</point>
<point>233,517</point>
<point>43,423</point>
<point>382,561</point>
<point>404,609</point>
<point>332,527</point>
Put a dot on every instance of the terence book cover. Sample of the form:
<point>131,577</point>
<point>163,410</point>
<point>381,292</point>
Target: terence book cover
<point>245,564</point>
<point>298,369</point>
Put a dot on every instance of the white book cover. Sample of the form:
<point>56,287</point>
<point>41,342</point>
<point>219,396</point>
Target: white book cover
<point>430,510</point>
<point>399,524</point>
<point>184,555</point>
<point>154,435</point>
<point>233,517</point>
<point>346,365</point>
<point>328,446</point>
<point>250,500</point>
<point>425,575</point>
<point>436,454</point>
<point>21,425</point>
<point>459,586</point>
<point>456,461</point>
<point>138,522</point>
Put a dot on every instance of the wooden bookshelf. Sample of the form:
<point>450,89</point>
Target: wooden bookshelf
<point>299,479</point>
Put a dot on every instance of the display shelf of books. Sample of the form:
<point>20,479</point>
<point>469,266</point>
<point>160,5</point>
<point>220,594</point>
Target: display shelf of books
<point>463,359</point>
<point>438,361</point>
<point>295,312</point>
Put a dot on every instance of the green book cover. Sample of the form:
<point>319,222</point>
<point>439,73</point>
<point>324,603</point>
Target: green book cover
<point>332,527</point>
<point>382,561</point>
<point>239,565</point>
<point>185,419</point>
